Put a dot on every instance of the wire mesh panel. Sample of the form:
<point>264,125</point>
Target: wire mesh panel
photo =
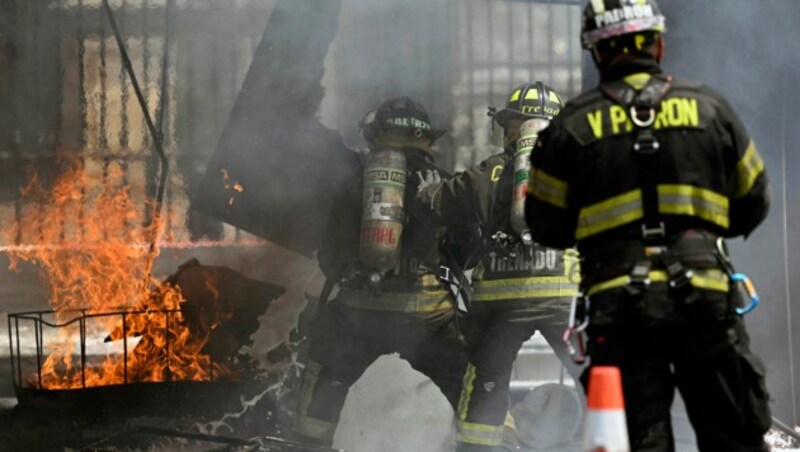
<point>68,96</point>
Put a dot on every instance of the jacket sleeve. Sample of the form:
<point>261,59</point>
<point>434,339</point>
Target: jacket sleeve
<point>551,215</point>
<point>475,196</point>
<point>748,186</point>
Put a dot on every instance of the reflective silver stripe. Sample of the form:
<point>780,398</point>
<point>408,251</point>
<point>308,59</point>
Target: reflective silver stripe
<point>609,214</point>
<point>694,201</point>
<point>480,434</point>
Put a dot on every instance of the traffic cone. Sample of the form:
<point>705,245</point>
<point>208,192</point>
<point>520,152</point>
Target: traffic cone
<point>606,428</point>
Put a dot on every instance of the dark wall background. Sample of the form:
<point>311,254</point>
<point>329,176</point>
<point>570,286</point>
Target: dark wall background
<point>749,51</point>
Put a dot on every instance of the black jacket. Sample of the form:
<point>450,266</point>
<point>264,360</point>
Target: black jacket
<point>584,185</point>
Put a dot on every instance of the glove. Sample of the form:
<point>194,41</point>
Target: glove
<point>430,177</point>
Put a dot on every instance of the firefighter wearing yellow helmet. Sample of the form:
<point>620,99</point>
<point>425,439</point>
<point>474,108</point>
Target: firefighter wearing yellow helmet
<point>386,265</point>
<point>518,286</point>
<point>648,174</point>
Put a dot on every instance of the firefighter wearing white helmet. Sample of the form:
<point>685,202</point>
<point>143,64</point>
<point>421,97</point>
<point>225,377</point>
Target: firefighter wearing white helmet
<point>648,174</point>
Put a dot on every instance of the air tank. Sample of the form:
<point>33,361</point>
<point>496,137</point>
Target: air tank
<point>383,209</point>
<point>528,134</point>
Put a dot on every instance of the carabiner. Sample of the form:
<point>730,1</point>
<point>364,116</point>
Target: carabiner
<point>573,331</point>
<point>750,289</point>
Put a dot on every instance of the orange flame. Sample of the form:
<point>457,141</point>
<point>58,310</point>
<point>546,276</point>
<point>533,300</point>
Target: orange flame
<point>87,234</point>
<point>232,187</point>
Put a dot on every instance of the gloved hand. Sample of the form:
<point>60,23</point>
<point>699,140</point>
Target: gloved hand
<point>430,177</point>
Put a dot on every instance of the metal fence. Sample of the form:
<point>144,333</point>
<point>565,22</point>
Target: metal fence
<point>64,86</point>
<point>503,44</point>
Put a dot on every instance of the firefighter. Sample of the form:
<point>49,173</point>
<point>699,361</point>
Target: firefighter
<point>648,174</point>
<point>519,287</point>
<point>386,264</point>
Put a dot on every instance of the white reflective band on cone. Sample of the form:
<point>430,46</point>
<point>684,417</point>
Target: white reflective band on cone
<point>607,431</point>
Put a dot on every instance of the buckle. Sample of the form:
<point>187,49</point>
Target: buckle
<point>445,274</point>
<point>640,275</point>
<point>680,280</point>
<point>658,232</point>
<point>646,143</point>
<point>639,279</point>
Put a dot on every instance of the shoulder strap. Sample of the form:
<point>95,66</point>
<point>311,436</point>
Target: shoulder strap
<point>641,109</point>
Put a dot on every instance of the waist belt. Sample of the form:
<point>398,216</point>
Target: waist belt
<point>696,248</point>
<point>405,302</point>
<point>393,283</point>
<point>713,279</point>
<point>524,288</point>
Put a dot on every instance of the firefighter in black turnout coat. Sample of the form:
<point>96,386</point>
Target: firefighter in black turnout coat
<point>519,287</point>
<point>386,265</point>
<point>644,174</point>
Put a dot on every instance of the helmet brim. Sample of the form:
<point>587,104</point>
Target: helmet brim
<point>505,115</point>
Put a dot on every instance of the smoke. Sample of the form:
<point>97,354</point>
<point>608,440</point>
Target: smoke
<point>272,91</point>
<point>749,51</point>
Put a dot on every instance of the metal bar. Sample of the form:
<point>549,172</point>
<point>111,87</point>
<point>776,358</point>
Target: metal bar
<point>11,352</point>
<point>471,83</point>
<point>570,52</point>
<point>124,95</point>
<point>784,428</point>
<point>166,341</point>
<point>103,91</point>
<point>82,78</point>
<point>157,137</point>
<point>145,55</point>
<point>550,50</point>
<point>531,51</point>
<point>510,7</point>
<point>124,349</point>
<point>19,356</point>
<point>83,351</point>
<point>490,32</point>
<point>38,354</point>
<point>195,436</point>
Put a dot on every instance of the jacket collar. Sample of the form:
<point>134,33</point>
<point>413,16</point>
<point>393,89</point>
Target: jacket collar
<point>622,70</point>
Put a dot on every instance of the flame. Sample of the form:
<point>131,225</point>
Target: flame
<point>232,187</point>
<point>86,234</point>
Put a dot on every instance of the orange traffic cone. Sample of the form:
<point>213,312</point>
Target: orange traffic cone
<point>606,429</point>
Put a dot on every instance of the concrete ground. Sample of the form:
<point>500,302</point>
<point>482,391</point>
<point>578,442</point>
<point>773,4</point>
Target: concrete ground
<point>391,409</point>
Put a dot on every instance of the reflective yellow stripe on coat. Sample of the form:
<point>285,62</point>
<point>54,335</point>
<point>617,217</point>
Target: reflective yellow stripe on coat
<point>480,434</point>
<point>749,167</point>
<point>307,425</point>
<point>405,302</point>
<point>547,188</point>
<point>673,199</point>
<point>524,288</point>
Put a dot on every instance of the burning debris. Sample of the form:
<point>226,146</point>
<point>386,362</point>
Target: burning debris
<point>88,234</point>
<point>232,187</point>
